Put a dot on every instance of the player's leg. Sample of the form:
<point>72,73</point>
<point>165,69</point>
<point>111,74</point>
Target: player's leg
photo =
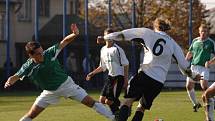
<point>71,90</point>
<point>151,89</point>
<point>46,98</point>
<point>138,116</point>
<point>114,88</point>
<point>32,113</point>
<point>97,106</point>
<point>191,91</point>
<point>190,85</point>
<point>124,109</point>
<point>103,94</point>
<point>204,85</point>
<point>208,101</point>
<point>131,95</point>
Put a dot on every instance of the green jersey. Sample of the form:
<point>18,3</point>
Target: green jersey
<point>49,74</point>
<point>201,51</point>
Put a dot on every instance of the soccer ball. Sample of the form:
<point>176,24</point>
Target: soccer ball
<point>158,119</point>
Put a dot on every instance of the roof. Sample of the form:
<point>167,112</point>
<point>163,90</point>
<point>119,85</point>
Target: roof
<point>53,30</point>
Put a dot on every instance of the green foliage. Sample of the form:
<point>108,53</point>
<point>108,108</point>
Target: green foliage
<point>170,106</point>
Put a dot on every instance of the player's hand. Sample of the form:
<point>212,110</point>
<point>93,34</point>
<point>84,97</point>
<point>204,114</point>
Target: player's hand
<point>74,29</point>
<point>100,40</point>
<point>8,84</point>
<point>91,74</point>
<point>207,64</point>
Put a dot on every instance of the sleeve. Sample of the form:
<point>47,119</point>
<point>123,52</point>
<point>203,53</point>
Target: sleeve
<point>124,60</point>
<point>213,46</point>
<point>184,65</point>
<point>24,70</point>
<point>180,58</point>
<point>102,63</point>
<point>128,34</point>
<point>191,47</point>
<point>53,51</point>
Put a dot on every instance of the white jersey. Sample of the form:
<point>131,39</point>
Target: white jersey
<point>113,59</point>
<point>159,49</point>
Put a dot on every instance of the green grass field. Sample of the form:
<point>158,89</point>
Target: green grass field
<point>170,106</point>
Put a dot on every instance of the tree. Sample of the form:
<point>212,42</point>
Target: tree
<point>176,11</point>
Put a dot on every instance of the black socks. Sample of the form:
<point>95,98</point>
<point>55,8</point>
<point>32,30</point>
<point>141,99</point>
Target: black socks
<point>123,113</point>
<point>138,116</point>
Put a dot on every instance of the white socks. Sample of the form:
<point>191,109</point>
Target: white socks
<point>209,108</point>
<point>192,96</point>
<point>25,118</point>
<point>101,109</point>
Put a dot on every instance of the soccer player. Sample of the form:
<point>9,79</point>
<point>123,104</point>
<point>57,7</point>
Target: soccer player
<point>199,53</point>
<point>114,60</point>
<point>159,49</point>
<point>44,68</point>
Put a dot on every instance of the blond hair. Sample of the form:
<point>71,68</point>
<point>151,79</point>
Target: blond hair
<point>204,26</point>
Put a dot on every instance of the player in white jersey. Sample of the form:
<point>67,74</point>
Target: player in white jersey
<point>114,60</point>
<point>159,49</point>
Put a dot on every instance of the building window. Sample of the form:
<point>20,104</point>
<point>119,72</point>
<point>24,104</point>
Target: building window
<point>2,27</point>
<point>74,7</point>
<point>44,6</point>
<point>24,13</point>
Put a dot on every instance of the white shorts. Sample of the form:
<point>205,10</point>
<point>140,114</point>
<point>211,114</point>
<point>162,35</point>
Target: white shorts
<point>67,90</point>
<point>204,72</point>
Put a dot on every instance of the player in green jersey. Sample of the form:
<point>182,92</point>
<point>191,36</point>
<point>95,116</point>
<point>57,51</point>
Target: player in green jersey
<point>44,69</point>
<point>199,53</point>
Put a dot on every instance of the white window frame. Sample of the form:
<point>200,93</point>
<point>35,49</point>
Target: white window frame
<point>25,12</point>
<point>44,8</point>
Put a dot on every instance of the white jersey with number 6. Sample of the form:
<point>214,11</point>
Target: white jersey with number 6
<point>159,48</point>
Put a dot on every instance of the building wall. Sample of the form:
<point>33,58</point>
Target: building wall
<point>22,31</point>
<point>3,43</point>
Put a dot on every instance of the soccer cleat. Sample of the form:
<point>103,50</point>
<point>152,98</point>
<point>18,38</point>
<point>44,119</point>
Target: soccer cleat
<point>196,107</point>
<point>116,116</point>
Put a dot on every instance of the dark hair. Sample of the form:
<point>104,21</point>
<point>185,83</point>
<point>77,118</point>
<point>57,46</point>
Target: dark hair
<point>161,24</point>
<point>31,46</point>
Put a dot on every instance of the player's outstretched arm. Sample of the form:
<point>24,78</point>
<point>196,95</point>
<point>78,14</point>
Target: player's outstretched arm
<point>210,62</point>
<point>94,72</point>
<point>69,38</point>
<point>11,80</point>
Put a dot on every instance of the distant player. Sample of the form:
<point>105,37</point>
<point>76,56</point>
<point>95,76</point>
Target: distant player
<point>114,60</point>
<point>159,48</point>
<point>199,53</point>
<point>44,68</point>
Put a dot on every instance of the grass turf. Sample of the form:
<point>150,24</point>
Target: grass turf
<point>170,106</point>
